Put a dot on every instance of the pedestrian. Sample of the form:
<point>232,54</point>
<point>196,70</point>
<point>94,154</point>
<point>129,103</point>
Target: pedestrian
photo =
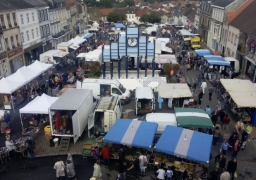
<point>220,162</point>
<point>249,130</point>
<point>235,148</point>
<point>224,147</point>
<point>208,110</point>
<point>31,146</point>
<point>231,168</point>
<point>211,90</point>
<point>214,117</point>
<point>225,122</point>
<point>225,175</point>
<point>233,138</point>
<point>244,136</point>
<point>203,86</point>
<point>7,118</point>
<point>200,97</point>
<point>121,158</point>
<point>194,87</point>
<point>216,134</point>
<point>95,153</point>
<point>239,126</point>
<point>70,170</point>
<point>9,144</point>
<point>226,136</point>
<point>169,173</point>
<point>136,168</point>
<point>60,167</point>
<point>160,173</point>
<point>222,115</point>
<point>105,152</point>
<point>97,170</point>
<point>160,101</point>
<point>143,162</point>
<point>69,157</point>
<point>185,175</point>
<point>214,175</point>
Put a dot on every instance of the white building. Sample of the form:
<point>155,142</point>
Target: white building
<point>232,41</point>
<point>28,23</point>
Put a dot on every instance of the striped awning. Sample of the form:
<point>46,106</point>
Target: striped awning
<point>185,143</point>
<point>132,133</point>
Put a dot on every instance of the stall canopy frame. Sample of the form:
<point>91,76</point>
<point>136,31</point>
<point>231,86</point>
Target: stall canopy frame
<point>132,133</point>
<point>193,117</point>
<point>174,90</point>
<point>185,143</point>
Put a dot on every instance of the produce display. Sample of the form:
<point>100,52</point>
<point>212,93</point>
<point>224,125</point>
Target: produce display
<point>64,89</point>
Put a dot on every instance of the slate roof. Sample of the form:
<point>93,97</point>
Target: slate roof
<point>246,20</point>
<point>223,3</point>
<point>36,3</point>
<point>14,4</point>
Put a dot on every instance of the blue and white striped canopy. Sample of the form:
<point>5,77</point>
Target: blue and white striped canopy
<point>202,52</point>
<point>185,143</point>
<point>132,133</point>
<point>213,57</point>
<point>216,60</point>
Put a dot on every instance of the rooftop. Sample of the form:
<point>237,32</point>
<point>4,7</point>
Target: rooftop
<point>14,4</point>
<point>105,11</point>
<point>36,3</point>
<point>223,3</point>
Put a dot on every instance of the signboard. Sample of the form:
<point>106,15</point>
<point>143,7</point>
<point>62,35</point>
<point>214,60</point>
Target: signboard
<point>14,52</point>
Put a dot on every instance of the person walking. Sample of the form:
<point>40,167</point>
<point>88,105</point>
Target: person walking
<point>31,146</point>
<point>249,130</point>
<point>208,110</point>
<point>216,134</point>
<point>224,147</point>
<point>105,152</point>
<point>214,117</point>
<point>235,148</point>
<point>60,167</point>
<point>231,168</point>
<point>121,156</point>
<point>70,170</point>
<point>204,86</point>
<point>169,173</point>
<point>95,153</point>
<point>200,97</point>
<point>225,175</point>
<point>211,90</point>
<point>225,122</point>
<point>136,168</point>
<point>97,170</point>
<point>70,158</point>
<point>160,173</point>
<point>143,162</point>
<point>239,126</point>
<point>220,162</point>
<point>214,174</point>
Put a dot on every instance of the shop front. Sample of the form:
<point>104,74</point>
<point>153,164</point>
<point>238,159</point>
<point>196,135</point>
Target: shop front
<point>32,52</point>
<point>250,60</point>
<point>4,65</point>
<point>15,59</point>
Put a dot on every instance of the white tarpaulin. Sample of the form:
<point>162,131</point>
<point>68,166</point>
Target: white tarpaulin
<point>24,75</point>
<point>175,90</point>
<point>40,105</point>
<point>74,46</point>
<point>40,67</point>
<point>8,86</point>
<point>77,40</point>
<point>237,85</point>
<point>61,54</point>
<point>244,99</point>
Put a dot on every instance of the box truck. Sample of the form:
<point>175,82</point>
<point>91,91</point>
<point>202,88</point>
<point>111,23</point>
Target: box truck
<point>144,100</point>
<point>107,87</point>
<point>69,114</point>
<point>107,111</point>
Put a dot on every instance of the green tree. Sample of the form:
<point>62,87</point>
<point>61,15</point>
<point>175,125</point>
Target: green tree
<point>144,18</point>
<point>188,5</point>
<point>154,18</point>
<point>114,17</point>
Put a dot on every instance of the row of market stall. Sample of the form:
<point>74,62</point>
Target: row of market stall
<point>178,147</point>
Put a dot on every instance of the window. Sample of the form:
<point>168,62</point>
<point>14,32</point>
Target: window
<point>2,21</point>
<point>44,31</point>
<point>27,35</point>
<point>12,42</point>
<point>232,37</point>
<point>21,19</point>
<point>235,39</point>
<point>22,37</point>
<point>42,15</point>
<point>7,43</point>
<point>229,34</point>
<point>39,17</point>
<point>28,18</point>
<point>45,14</point>
<point>1,46</point>
<point>33,17</point>
<point>48,29</point>
<point>32,32</point>
<point>17,39</point>
<point>116,91</point>
<point>37,33</point>
<point>41,31</point>
<point>9,20</point>
<point>14,19</point>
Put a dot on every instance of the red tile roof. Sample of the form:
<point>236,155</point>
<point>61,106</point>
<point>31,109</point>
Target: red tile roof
<point>141,12</point>
<point>106,11</point>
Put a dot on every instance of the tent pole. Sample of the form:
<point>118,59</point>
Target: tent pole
<point>21,122</point>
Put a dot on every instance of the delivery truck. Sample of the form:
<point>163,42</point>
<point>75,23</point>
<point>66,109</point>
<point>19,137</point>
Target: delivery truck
<point>144,100</point>
<point>195,42</point>
<point>107,87</point>
<point>107,111</point>
<point>70,113</point>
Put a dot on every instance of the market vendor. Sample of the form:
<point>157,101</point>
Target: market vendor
<point>9,144</point>
<point>97,134</point>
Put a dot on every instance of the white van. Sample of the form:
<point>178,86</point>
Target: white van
<point>144,100</point>
<point>234,63</point>
<point>104,87</point>
<point>162,119</point>
<point>107,111</point>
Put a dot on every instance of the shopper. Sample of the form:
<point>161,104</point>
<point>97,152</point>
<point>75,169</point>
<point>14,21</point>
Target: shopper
<point>211,90</point>
<point>9,144</point>
<point>161,173</point>
<point>225,122</point>
<point>136,168</point>
<point>70,158</point>
<point>214,174</point>
<point>249,130</point>
<point>71,170</point>
<point>208,110</point>
<point>121,155</point>
<point>216,134</point>
<point>95,153</point>
<point>185,175</point>
<point>239,126</point>
<point>220,162</point>
<point>224,147</point>
<point>235,148</point>
<point>143,161</point>
<point>31,146</point>
<point>204,86</point>
<point>97,170</point>
<point>169,173</point>
<point>231,168</point>
<point>105,152</point>
<point>225,175</point>
<point>200,97</point>
<point>59,166</point>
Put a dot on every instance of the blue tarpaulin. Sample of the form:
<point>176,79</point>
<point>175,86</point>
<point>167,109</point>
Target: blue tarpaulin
<point>185,143</point>
<point>132,133</point>
<point>119,25</point>
<point>216,60</point>
<point>202,52</point>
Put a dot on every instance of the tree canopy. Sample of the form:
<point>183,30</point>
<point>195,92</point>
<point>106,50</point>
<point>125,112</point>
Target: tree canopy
<point>127,3</point>
<point>152,18</point>
<point>114,17</point>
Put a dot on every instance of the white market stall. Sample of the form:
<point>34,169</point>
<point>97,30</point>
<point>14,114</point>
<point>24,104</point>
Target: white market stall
<point>95,55</point>
<point>65,46</point>
<point>40,67</point>
<point>52,56</point>
<point>174,90</point>
<point>40,105</point>
<point>77,40</point>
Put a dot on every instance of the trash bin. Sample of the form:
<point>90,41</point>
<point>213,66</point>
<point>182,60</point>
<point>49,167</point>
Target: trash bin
<point>125,115</point>
<point>56,142</point>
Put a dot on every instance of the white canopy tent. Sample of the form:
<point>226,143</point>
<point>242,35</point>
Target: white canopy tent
<point>244,99</point>
<point>40,67</point>
<point>95,55</point>
<point>8,86</point>
<point>77,40</point>
<point>174,90</point>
